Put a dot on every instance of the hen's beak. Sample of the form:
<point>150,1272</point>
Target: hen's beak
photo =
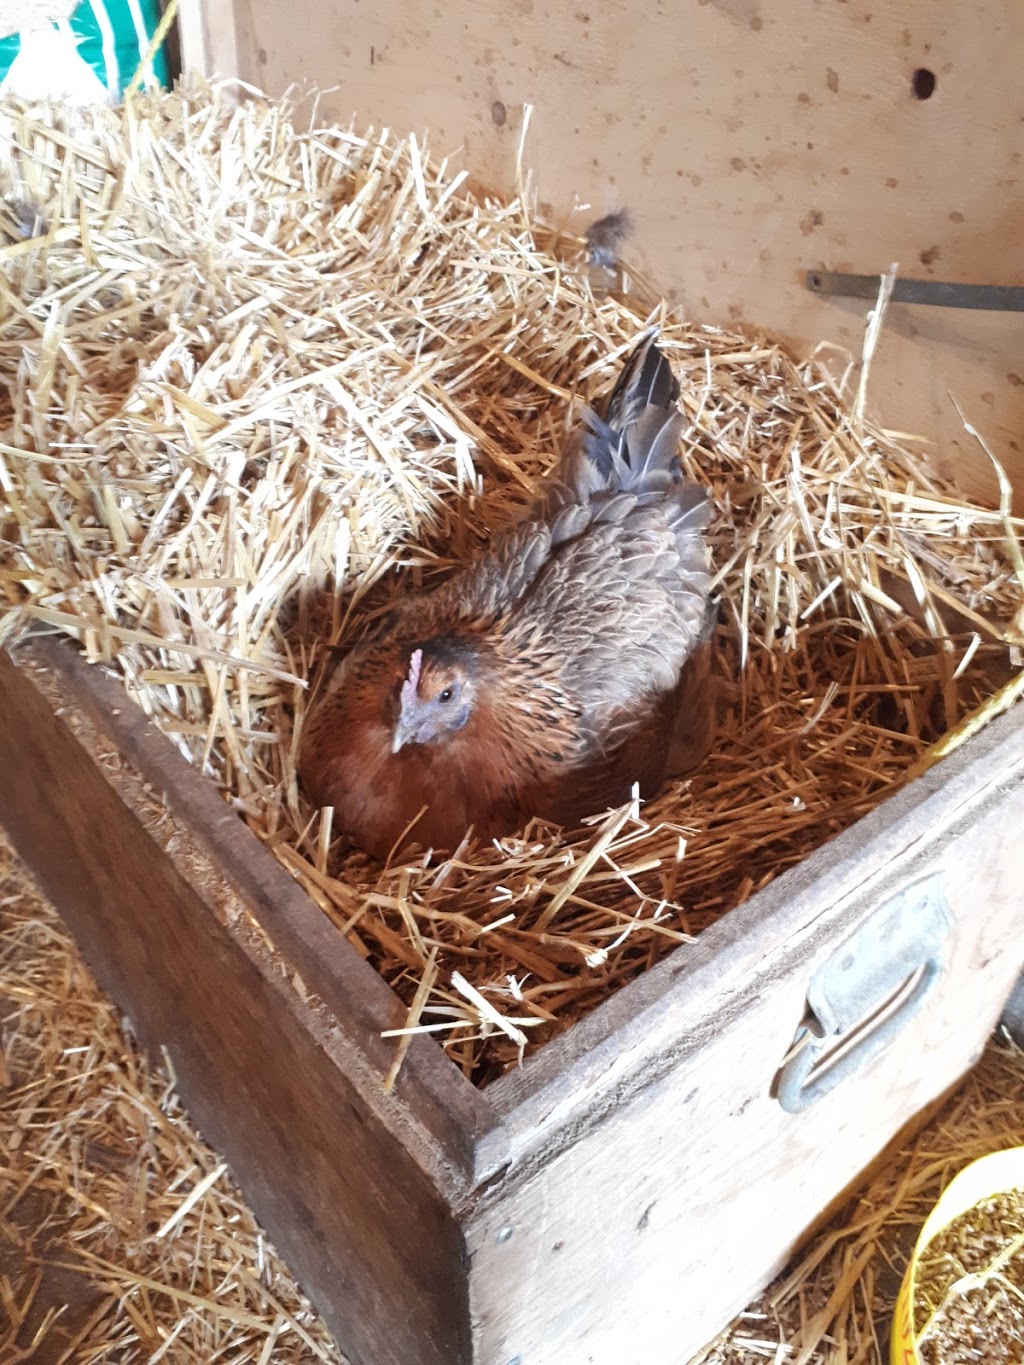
<point>401,737</point>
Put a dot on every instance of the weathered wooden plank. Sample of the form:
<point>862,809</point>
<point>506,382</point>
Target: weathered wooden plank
<point>656,1182</point>
<point>643,1027</point>
<point>354,1187</point>
<point>208,38</point>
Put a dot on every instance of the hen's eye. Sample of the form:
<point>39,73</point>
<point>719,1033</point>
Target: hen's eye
<point>446,694</point>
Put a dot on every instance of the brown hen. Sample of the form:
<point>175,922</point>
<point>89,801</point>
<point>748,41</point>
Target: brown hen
<point>567,662</point>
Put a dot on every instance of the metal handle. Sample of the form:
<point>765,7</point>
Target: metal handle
<point>898,949</point>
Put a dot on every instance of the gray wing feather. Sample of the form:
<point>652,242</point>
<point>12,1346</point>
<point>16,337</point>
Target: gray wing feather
<point>628,587</point>
<point>609,570</point>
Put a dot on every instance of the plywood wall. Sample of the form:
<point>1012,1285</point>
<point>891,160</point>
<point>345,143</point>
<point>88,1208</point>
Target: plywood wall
<point>751,140</point>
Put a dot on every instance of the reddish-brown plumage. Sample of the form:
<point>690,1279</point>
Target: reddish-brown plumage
<point>565,664</point>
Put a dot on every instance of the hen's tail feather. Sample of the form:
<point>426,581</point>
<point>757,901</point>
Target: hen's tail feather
<point>639,432</point>
<point>646,381</point>
<point>635,447</point>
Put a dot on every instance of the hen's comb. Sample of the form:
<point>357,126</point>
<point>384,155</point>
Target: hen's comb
<point>412,682</point>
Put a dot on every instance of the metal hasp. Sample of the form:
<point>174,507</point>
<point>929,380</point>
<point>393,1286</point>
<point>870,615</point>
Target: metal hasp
<point>866,992</point>
<point>1013,1014</point>
<point>993,298</point>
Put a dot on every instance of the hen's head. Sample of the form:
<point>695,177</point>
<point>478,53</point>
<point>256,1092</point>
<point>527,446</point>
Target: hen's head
<point>438,693</point>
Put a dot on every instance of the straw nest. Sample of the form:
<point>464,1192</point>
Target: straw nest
<point>123,1237</point>
<point>259,377</point>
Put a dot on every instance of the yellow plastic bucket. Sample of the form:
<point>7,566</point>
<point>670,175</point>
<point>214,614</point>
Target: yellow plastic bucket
<point>987,1176</point>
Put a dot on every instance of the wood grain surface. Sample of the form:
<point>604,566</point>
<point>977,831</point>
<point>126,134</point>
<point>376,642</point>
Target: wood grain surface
<point>656,1180</point>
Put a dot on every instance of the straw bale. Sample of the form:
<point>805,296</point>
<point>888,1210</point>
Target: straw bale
<point>259,374</point>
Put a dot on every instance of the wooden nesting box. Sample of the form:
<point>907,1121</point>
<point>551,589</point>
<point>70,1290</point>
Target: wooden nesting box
<point>636,1182</point>
<point>640,1179</point>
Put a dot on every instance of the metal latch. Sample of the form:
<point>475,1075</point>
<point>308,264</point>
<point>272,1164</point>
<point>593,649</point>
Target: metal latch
<point>995,298</point>
<point>866,992</point>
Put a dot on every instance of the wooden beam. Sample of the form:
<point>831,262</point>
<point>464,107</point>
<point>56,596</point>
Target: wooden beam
<point>208,38</point>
